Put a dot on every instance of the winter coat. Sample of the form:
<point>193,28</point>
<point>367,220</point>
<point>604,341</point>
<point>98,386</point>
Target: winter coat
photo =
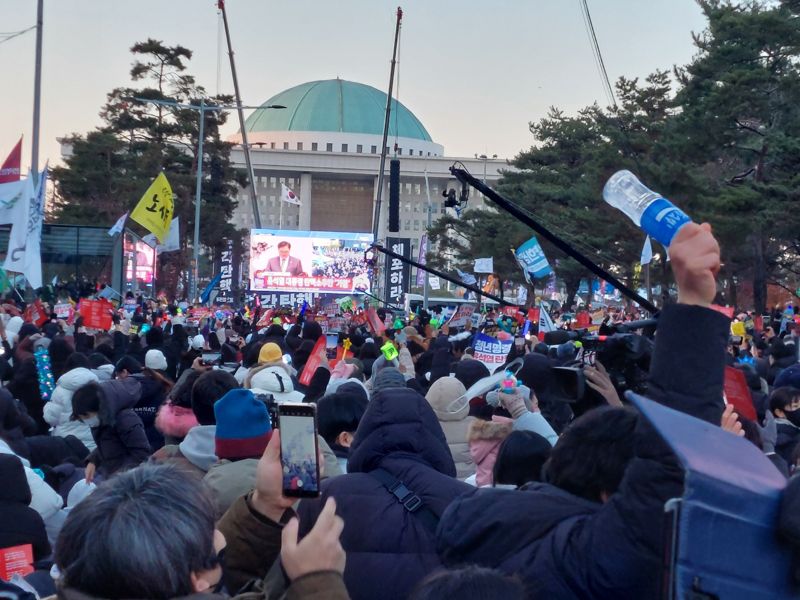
<point>388,548</point>
<point>563,546</point>
<point>120,437</point>
<point>15,424</point>
<point>58,411</point>
<point>196,453</point>
<point>153,395</point>
<point>19,523</point>
<point>104,372</point>
<point>24,386</point>
<point>44,499</point>
<point>452,410</point>
<point>230,479</point>
<point>788,438</point>
<point>779,365</point>
<point>485,438</point>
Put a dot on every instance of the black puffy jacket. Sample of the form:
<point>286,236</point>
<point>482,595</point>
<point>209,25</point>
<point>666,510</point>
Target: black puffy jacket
<point>19,523</point>
<point>564,546</point>
<point>388,548</point>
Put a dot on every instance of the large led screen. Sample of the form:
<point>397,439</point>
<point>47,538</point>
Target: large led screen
<point>308,261</point>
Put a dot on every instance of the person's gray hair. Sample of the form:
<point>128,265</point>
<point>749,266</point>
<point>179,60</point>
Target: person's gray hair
<point>139,535</point>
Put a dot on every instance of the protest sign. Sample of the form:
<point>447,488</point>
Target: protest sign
<point>491,351</point>
<point>737,393</point>
<point>96,314</point>
<point>35,313</point>
<point>462,315</point>
<point>533,314</point>
<point>62,310</point>
<point>16,560</point>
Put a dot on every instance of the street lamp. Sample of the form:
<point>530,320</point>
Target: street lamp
<point>202,108</point>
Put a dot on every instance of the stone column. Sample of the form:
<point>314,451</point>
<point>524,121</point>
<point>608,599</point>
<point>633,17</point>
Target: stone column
<point>305,202</point>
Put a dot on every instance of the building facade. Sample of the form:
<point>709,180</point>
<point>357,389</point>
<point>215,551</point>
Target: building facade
<point>325,146</point>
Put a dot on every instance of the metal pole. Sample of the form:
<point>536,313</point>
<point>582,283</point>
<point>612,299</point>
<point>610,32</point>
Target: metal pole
<point>37,92</point>
<point>647,282</point>
<point>522,216</point>
<point>240,111</point>
<point>428,192</point>
<point>197,195</point>
<point>377,217</point>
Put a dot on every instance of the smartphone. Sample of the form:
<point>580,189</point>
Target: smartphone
<point>331,342</point>
<point>210,358</point>
<point>299,450</point>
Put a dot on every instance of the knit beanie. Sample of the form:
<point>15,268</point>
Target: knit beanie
<point>243,425</point>
<point>388,377</point>
<point>269,353</point>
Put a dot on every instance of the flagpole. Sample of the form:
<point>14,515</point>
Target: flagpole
<point>197,196</point>
<point>428,192</point>
<point>37,92</point>
<point>647,282</point>
<point>280,214</point>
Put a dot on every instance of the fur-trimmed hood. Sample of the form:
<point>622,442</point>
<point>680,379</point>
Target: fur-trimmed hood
<point>489,430</point>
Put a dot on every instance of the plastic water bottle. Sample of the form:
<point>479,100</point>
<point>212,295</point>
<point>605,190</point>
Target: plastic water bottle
<point>656,215</point>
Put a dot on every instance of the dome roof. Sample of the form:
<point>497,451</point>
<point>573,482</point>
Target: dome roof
<point>336,105</point>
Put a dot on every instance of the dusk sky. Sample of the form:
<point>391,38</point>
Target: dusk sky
<point>475,73</point>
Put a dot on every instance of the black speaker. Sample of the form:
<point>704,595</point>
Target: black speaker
<point>394,195</point>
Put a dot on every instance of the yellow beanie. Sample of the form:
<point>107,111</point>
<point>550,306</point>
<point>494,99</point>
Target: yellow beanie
<point>270,353</point>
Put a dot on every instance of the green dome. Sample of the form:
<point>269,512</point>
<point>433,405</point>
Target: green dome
<point>336,105</point>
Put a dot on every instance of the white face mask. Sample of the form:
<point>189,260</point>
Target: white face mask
<point>92,421</point>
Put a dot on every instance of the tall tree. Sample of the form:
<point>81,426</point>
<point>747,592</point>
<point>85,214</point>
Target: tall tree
<point>559,181</point>
<point>740,122</point>
<point>110,168</point>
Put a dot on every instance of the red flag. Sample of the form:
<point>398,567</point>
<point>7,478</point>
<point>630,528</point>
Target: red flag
<point>10,171</point>
<point>374,322</point>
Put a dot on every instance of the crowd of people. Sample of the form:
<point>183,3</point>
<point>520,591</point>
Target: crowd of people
<point>339,262</point>
<point>153,468</point>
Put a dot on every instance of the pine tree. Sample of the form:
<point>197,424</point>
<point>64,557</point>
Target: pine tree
<point>111,167</point>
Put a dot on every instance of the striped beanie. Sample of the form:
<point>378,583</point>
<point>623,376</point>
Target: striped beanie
<point>243,425</point>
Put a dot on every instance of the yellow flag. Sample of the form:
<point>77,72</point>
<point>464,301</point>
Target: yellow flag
<point>155,209</point>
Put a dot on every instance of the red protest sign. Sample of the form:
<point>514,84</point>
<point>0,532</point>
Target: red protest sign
<point>314,361</point>
<point>16,560</point>
<point>583,319</point>
<point>35,313</point>
<point>96,314</point>
<point>758,323</point>
<point>533,314</point>
<point>737,392</point>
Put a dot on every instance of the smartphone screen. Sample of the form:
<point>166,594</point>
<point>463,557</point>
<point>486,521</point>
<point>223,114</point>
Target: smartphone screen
<point>298,426</point>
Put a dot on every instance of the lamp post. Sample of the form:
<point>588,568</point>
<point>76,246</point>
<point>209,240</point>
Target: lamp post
<point>202,109</point>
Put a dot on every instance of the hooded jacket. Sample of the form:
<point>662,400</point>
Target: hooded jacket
<point>452,410</point>
<point>485,438</point>
<point>564,546</point>
<point>19,523</point>
<point>151,399</point>
<point>120,437</point>
<point>58,411</point>
<point>388,548</point>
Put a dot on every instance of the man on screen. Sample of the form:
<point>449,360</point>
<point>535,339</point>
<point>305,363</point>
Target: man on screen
<point>283,263</point>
